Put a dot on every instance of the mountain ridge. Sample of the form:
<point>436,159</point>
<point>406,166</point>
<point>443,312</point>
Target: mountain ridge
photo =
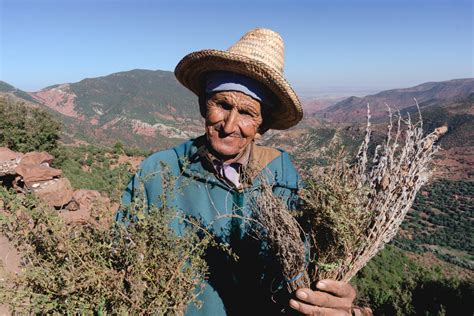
<point>150,109</point>
<point>353,109</point>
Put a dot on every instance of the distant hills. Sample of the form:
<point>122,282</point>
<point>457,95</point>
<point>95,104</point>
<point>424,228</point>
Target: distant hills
<point>142,108</point>
<point>146,95</point>
<point>151,110</point>
<point>7,89</point>
<point>428,94</point>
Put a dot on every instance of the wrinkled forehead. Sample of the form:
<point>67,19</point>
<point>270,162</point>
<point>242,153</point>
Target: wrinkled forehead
<point>235,99</point>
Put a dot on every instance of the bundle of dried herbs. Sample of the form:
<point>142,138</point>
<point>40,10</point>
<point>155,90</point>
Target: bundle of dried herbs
<point>349,209</point>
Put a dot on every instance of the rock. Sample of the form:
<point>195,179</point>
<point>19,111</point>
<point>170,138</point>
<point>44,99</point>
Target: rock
<point>9,257</point>
<point>72,206</point>
<point>56,192</point>
<point>36,173</point>
<point>9,160</point>
<point>87,200</point>
<point>10,264</point>
<point>7,154</point>
<point>37,158</point>
<point>89,203</point>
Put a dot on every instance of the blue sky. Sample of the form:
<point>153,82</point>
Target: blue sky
<point>331,46</point>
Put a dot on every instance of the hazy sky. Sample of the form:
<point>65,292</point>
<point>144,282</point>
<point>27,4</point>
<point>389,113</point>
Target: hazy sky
<point>332,46</point>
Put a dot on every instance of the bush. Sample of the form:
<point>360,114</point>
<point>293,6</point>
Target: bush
<point>393,284</point>
<point>24,128</point>
<point>141,267</point>
<point>89,167</point>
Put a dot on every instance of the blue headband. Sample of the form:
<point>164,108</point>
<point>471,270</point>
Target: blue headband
<point>229,81</point>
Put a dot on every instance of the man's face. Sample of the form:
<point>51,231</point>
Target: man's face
<point>232,120</point>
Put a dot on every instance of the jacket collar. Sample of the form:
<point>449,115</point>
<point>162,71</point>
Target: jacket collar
<point>195,161</point>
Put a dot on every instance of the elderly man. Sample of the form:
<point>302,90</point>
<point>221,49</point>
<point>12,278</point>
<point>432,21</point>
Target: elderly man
<point>242,93</point>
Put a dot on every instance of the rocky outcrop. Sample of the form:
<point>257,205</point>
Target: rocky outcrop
<point>55,192</point>
<point>83,204</point>
<point>9,160</point>
<point>37,158</point>
<point>31,172</point>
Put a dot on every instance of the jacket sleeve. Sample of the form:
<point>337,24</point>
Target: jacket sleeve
<point>288,182</point>
<point>146,187</point>
<point>129,195</point>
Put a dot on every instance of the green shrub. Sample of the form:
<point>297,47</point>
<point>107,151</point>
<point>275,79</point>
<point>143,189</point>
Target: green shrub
<point>24,128</point>
<point>393,284</point>
<point>141,267</point>
<point>89,167</point>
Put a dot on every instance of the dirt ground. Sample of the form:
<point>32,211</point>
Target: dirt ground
<point>9,263</point>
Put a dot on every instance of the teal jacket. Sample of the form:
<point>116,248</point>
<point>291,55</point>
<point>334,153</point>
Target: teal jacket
<point>250,285</point>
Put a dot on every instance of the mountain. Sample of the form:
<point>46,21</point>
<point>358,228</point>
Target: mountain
<point>152,110</point>
<point>313,105</point>
<point>353,109</point>
<point>146,95</point>
<point>142,108</point>
<point>7,89</point>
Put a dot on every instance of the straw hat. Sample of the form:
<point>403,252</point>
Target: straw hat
<point>258,55</point>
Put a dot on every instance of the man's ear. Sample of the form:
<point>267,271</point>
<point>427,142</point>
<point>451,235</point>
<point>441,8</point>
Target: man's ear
<point>262,129</point>
<point>203,105</point>
<point>266,116</point>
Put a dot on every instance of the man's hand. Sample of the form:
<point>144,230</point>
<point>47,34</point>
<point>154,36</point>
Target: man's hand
<point>331,298</point>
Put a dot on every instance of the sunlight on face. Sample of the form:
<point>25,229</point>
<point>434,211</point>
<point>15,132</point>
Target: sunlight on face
<point>232,121</point>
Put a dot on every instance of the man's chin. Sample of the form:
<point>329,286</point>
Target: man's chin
<point>225,152</point>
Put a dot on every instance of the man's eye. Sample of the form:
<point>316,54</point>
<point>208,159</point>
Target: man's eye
<point>247,113</point>
<point>224,105</point>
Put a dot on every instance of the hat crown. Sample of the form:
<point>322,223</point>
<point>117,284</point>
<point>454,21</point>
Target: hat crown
<point>263,45</point>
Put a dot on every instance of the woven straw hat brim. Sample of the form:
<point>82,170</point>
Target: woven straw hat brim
<point>191,71</point>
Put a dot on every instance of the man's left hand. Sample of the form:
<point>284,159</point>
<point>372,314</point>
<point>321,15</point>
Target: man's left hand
<point>332,298</point>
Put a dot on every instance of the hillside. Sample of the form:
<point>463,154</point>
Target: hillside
<point>353,109</point>
<point>439,224</point>
<point>145,95</point>
<point>141,108</point>
<point>437,228</point>
<point>9,90</point>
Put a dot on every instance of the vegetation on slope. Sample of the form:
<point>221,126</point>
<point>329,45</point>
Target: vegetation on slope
<point>393,284</point>
<point>96,168</point>
<point>441,221</point>
<point>24,129</point>
<point>138,94</point>
<point>100,267</point>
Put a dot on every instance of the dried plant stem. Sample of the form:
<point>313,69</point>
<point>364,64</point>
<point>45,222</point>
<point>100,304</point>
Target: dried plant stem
<point>398,172</point>
<point>283,234</point>
<point>352,209</point>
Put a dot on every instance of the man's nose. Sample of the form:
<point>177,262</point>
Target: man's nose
<point>230,124</point>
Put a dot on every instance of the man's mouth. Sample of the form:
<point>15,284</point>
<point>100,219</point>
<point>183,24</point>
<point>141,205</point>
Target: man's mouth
<point>220,129</point>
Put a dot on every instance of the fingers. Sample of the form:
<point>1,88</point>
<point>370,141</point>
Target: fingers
<point>323,299</point>
<point>331,298</point>
<point>338,288</point>
<point>307,309</point>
